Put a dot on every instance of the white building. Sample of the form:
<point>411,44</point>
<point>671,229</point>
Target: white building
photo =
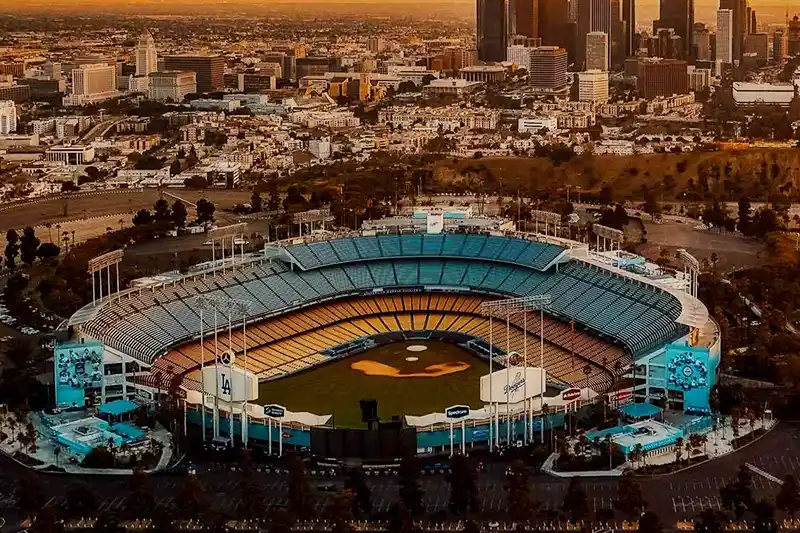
<point>146,55</point>
<point>248,100</point>
<point>320,148</point>
<point>699,78</point>
<point>92,83</point>
<point>8,117</point>
<point>593,86</point>
<point>536,124</point>
<point>596,50</point>
<point>520,55</point>
<point>757,94</point>
<point>210,104</point>
<point>452,86</point>
<point>725,36</point>
<point>172,85</point>
<point>70,155</point>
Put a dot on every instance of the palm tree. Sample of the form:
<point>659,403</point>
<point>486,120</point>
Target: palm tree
<point>121,223</point>
<point>49,226</point>
<point>57,452</point>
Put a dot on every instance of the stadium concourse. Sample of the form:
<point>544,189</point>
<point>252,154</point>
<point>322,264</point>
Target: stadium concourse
<point>312,299</point>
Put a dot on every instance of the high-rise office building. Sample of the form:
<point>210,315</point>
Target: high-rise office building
<point>757,46</point>
<point>725,36</point>
<point>616,39</point>
<point>752,22</point>
<point>661,77</point>
<point>779,46</point>
<point>665,43</point>
<point>554,23</point>
<point>526,17</point>
<point>172,86</point>
<point>702,42</point>
<point>8,117</point>
<point>92,83</point>
<point>492,28</point>
<point>738,10</point>
<point>678,15</point>
<point>597,51</point>
<point>548,69</point>
<point>376,45</point>
<point>146,55</point>
<point>629,21</point>
<point>593,86</point>
<point>593,16</point>
<point>793,37</point>
<point>209,69</point>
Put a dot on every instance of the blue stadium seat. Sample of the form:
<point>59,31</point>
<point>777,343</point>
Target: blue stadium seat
<point>345,249</point>
<point>432,245</point>
<point>367,247</point>
<point>430,272</point>
<point>453,273</point>
<point>407,273</point>
<point>411,245</point>
<point>390,245</point>
<point>382,273</point>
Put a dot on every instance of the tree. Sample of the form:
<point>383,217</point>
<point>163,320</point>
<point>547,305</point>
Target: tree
<point>192,500</point>
<point>255,201</point>
<point>251,500</point>
<point>519,500</point>
<point>300,500</point>
<point>362,496</point>
<point>649,523</point>
<point>409,486</point>
<point>710,521</point>
<point>463,488</point>
<point>12,249</point>
<point>142,218</point>
<point>139,501</point>
<point>744,215</point>
<point>630,501</point>
<point>575,503</point>
<point>788,498</point>
<point>161,211</point>
<point>79,501</point>
<point>737,496</point>
<point>179,214</point>
<point>175,168</point>
<point>29,245</point>
<point>29,495</point>
<point>764,521</point>
<point>205,211</point>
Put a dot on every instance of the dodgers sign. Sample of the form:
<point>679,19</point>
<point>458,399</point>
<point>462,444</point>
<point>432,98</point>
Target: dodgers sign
<point>457,411</point>
<point>513,384</point>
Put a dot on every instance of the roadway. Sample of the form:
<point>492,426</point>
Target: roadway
<point>677,496</point>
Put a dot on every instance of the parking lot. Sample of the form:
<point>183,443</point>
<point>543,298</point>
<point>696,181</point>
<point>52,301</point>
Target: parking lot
<point>678,496</point>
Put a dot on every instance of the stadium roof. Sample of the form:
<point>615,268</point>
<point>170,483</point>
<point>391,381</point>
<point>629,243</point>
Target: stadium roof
<point>118,407</point>
<point>640,410</point>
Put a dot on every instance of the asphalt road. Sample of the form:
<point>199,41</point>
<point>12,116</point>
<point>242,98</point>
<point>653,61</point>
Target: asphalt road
<point>673,497</point>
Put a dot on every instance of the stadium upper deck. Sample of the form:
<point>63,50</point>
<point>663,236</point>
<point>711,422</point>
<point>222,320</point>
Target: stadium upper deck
<point>611,303</point>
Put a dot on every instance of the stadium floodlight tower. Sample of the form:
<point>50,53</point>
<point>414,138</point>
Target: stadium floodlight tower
<point>611,235</point>
<point>505,309</point>
<point>310,218</point>
<point>218,236</point>
<point>691,271</point>
<point>230,308</point>
<point>548,219</point>
<point>97,265</point>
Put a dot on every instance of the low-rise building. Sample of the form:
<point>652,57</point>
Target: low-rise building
<point>70,155</point>
<point>757,94</point>
<point>452,86</point>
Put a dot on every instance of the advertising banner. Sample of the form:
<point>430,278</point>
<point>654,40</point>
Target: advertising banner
<point>512,384</point>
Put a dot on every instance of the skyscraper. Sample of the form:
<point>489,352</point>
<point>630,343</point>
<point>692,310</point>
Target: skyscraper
<point>553,23</point>
<point>597,51</point>
<point>8,117</point>
<point>725,36</point>
<point>209,69</point>
<point>678,15</point>
<point>629,22</point>
<point>526,17</point>
<point>593,15</point>
<point>702,42</point>
<point>616,39</point>
<point>492,37</point>
<point>779,48</point>
<point>548,71</point>
<point>146,55</point>
<point>739,27</point>
<point>793,37</point>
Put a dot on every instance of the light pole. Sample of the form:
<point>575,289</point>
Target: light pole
<point>505,309</point>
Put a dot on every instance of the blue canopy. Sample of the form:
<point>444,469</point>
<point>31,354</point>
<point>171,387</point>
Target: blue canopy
<point>640,410</point>
<point>118,407</point>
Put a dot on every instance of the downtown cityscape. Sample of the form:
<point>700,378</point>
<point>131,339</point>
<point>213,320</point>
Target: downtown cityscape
<point>340,266</point>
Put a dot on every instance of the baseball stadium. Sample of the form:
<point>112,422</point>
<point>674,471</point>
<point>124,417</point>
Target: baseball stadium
<point>410,326</point>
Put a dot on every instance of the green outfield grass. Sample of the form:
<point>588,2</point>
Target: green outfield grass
<point>336,388</point>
